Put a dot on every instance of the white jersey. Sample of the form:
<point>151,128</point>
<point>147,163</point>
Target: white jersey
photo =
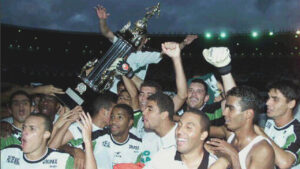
<point>13,158</point>
<point>139,62</point>
<point>152,143</point>
<point>170,158</point>
<point>286,137</point>
<point>244,152</point>
<point>109,152</point>
<point>76,132</point>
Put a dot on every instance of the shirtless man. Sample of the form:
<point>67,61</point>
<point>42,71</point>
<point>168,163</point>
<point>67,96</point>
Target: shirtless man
<point>244,148</point>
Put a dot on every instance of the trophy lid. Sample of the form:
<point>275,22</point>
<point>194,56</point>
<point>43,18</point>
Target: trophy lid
<point>141,25</point>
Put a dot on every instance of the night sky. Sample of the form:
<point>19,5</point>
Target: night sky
<point>177,16</point>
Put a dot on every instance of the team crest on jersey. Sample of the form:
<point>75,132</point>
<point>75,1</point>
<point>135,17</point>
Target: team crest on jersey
<point>13,160</point>
<point>268,125</point>
<point>106,144</point>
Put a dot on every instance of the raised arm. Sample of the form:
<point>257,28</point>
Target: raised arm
<point>133,92</point>
<point>86,127</point>
<point>220,58</point>
<point>103,15</point>
<point>188,40</point>
<point>61,135</point>
<point>219,132</point>
<point>172,49</point>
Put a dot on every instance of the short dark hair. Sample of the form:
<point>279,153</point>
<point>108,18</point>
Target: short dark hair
<point>204,120</point>
<point>289,89</point>
<point>47,121</point>
<point>250,98</point>
<point>125,107</point>
<point>54,98</point>
<point>152,84</point>
<point>201,82</point>
<point>19,92</point>
<point>103,101</point>
<point>164,103</point>
<point>120,83</point>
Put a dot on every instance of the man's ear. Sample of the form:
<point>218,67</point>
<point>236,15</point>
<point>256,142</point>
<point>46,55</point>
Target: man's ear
<point>9,110</point>
<point>31,108</point>
<point>249,113</point>
<point>206,98</point>
<point>130,124</point>
<point>292,104</point>
<point>164,115</point>
<point>204,135</point>
<point>47,135</point>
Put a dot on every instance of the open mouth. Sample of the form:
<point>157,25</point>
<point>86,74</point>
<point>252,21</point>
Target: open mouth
<point>23,142</point>
<point>114,128</point>
<point>181,141</point>
<point>22,112</point>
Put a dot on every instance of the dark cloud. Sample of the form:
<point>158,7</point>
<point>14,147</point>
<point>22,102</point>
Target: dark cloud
<point>187,16</point>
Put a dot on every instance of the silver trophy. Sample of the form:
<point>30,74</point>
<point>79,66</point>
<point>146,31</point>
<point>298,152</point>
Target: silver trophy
<point>99,74</point>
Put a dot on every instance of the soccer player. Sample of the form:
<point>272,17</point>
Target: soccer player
<point>20,108</point>
<point>244,148</point>
<point>117,145</point>
<point>191,133</point>
<point>282,128</point>
<point>33,152</point>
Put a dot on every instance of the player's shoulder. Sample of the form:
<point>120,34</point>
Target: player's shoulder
<point>263,147</point>
<point>12,147</point>
<point>134,137</point>
<point>100,133</point>
<point>57,152</point>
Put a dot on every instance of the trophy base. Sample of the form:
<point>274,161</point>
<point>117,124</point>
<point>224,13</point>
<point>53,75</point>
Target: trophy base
<point>70,99</point>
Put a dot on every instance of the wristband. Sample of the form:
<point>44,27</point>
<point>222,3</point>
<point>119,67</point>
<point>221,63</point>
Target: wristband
<point>130,74</point>
<point>225,70</point>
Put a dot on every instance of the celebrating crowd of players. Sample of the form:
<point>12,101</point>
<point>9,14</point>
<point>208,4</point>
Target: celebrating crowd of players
<point>146,128</point>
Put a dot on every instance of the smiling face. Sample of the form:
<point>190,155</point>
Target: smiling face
<point>196,95</point>
<point>34,135</point>
<point>189,134</point>
<point>120,122</point>
<point>48,106</point>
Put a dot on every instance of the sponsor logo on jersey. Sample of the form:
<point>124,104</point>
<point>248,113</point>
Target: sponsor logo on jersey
<point>134,147</point>
<point>13,160</point>
<point>50,161</point>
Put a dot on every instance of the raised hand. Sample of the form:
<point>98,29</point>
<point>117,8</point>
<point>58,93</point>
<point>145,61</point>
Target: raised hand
<point>86,126</point>
<point>171,49</point>
<point>64,115</point>
<point>189,39</point>
<point>101,12</point>
<point>48,89</point>
<point>217,56</point>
